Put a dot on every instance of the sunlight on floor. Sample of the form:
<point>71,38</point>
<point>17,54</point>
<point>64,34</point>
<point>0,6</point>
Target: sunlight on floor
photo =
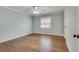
<point>46,44</point>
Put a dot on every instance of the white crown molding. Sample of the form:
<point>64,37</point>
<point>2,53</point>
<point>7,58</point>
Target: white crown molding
<point>15,10</point>
<point>20,12</point>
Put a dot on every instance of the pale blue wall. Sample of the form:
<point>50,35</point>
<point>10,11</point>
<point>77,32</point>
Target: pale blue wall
<point>57,25</point>
<point>13,24</point>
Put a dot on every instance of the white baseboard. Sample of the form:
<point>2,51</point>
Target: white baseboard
<point>67,44</point>
<point>25,35</point>
<point>48,33</point>
<point>14,37</point>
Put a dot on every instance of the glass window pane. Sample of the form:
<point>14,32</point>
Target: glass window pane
<point>42,20</point>
<point>45,22</point>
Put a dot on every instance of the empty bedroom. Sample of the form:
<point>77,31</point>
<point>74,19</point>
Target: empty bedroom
<point>34,29</point>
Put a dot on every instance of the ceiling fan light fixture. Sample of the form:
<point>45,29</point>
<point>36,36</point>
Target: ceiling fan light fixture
<point>36,8</point>
<point>36,11</point>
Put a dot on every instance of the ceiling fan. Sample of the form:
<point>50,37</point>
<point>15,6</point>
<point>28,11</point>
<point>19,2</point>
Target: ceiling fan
<point>38,10</point>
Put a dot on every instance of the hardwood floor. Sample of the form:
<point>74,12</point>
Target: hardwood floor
<point>35,43</point>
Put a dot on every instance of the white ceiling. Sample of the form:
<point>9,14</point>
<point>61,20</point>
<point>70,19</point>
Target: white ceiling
<point>28,10</point>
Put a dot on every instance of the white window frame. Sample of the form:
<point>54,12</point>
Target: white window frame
<point>45,22</point>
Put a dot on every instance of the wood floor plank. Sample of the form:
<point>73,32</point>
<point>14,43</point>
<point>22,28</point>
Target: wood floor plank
<point>35,43</point>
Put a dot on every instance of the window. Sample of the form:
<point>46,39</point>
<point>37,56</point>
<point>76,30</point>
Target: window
<point>45,22</point>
